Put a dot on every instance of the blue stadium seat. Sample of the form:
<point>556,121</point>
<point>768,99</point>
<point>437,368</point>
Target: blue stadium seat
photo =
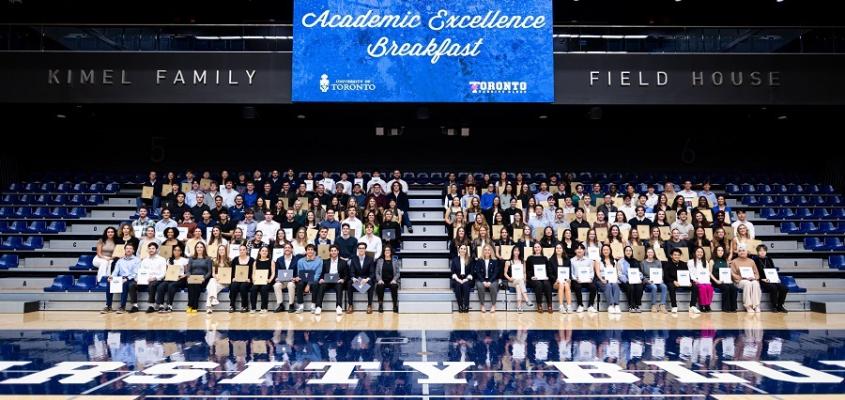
<point>785,200</point>
<point>813,243</point>
<point>11,243</point>
<point>94,199</point>
<point>802,201</point>
<point>4,227</point>
<point>786,213</point>
<point>808,227</point>
<point>85,283</point>
<point>837,213</point>
<point>32,243</point>
<point>56,227</point>
<point>77,212</point>
<point>61,283</point>
<point>768,213</point>
<point>57,200</point>
<point>779,189</point>
<point>103,285</point>
<point>791,285</point>
<point>768,201</point>
<point>834,244</point>
<point>827,189</point>
<point>732,189</point>
<point>818,200</point>
<point>58,212</point>
<point>9,261</point>
<point>747,188</point>
<point>41,212</point>
<point>48,187</point>
<point>834,200</point>
<point>804,213</point>
<point>9,199</point>
<point>836,261</point>
<point>17,227</point>
<point>64,187</point>
<point>789,227</point>
<point>32,188</point>
<point>85,262</point>
<point>36,227</point>
<point>25,199</point>
<point>22,212</point>
<point>75,200</point>
<point>750,201</point>
<point>113,188</point>
<point>821,213</point>
<point>15,188</point>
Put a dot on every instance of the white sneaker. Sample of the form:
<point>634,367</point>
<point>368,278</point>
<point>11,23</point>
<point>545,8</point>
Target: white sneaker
<point>263,311</point>
<point>674,310</point>
<point>580,309</point>
<point>568,308</point>
<point>694,310</point>
<point>299,308</point>
<point>214,301</point>
<point>758,309</point>
<point>317,311</point>
<point>562,309</point>
<point>592,309</point>
<point>339,310</point>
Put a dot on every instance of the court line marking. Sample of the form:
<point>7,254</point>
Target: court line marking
<point>450,396</point>
<point>424,350</point>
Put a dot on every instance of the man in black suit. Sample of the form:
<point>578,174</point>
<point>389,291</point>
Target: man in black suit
<point>337,266</point>
<point>361,268</point>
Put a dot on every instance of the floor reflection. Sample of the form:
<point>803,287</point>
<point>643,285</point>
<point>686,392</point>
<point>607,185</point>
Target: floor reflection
<point>506,362</point>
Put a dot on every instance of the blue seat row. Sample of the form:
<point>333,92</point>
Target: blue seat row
<point>19,226</point>
<point>22,243</point>
<point>747,188</point>
<point>53,200</point>
<point>803,213</point>
<point>792,201</point>
<point>66,187</point>
<point>43,212</point>
<point>831,243</point>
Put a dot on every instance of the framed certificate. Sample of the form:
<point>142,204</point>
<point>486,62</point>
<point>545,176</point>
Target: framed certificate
<point>584,275</point>
<point>165,251</point>
<point>517,271</point>
<point>183,233</point>
<point>582,233</point>
<point>540,272</point>
<point>725,275</point>
<point>684,278</point>
<point>224,275</point>
<point>234,250</point>
<point>173,272</point>
<point>311,234</point>
<point>506,250</point>
<point>241,273</point>
<point>593,253</point>
<point>284,275</point>
<point>309,185</point>
<point>195,279</point>
<point>610,275</point>
<point>703,276</point>
<point>601,234</point>
<point>323,251</point>
<point>746,272</point>
<point>644,231</point>
<point>185,187</point>
<point>639,252</point>
<point>119,251</point>
<point>116,285</point>
<point>655,275</point>
<point>772,275</point>
<point>548,252</point>
<point>665,233</point>
<point>518,234</point>
<point>618,249</point>
<point>205,184</point>
<point>634,277</point>
<point>277,253</point>
<point>497,232</point>
<point>260,276</point>
<point>562,274</point>
<point>147,192</point>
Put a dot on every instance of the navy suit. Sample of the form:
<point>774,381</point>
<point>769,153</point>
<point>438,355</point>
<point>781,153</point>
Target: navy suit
<point>359,271</point>
<point>486,271</point>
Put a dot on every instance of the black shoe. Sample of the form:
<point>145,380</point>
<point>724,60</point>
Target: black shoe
<point>380,308</point>
<point>231,309</point>
<point>151,309</point>
<point>291,310</point>
<point>410,230</point>
<point>396,309</point>
<point>133,310</point>
<point>782,309</point>
<point>280,308</point>
<point>105,310</point>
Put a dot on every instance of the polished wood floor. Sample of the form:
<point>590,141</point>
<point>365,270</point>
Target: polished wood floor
<point>390,321</point>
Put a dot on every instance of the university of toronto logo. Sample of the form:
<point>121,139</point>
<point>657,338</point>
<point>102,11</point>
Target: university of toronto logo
<point>324,83</point>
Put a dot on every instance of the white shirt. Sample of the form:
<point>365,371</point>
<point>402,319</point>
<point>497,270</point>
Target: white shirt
<point>354,223</point>
<point>690,196</point>
<point>375,180</point>
<point>629,211</point>
<point>333,267</point>
<point>268,229</point>
<point>228,196</point>
<point>373,244</point>
<point>695,269</point>
<point>327,183</point>
<point>651,199</point>
<point>747,224</point>
<point>155,267</point>
<point>402,184</point>
<point>347,187</point>
<point>686,229</point>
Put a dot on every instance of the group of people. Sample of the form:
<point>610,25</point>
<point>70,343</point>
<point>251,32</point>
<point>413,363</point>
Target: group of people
<point>524,235</point>
<point>310,240</point>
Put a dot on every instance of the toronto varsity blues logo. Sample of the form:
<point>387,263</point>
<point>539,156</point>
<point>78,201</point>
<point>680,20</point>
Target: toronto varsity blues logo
<point>508,87</point>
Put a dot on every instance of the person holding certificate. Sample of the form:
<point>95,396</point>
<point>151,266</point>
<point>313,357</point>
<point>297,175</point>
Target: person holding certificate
<point>241,282</point>
<point>174,279</point>
<point>633,273</point>
<point>486,271</point>
<point>746,278</point>
<point>199,270</point>
<point>670,278</point>
<point>361,274</point>
<point>701,270</point>
<point>560,268</point>
<point>221,277</point>
<point>608,274</point>
<point>286,278</point>
<point>515,274</point>
<point>125,271</point>
<point>538,269</point>
<point>649,264</point>
<point>387,276</point>
<point>335,274</point>
<point>150,274</point>
<point>263,273</point>
<point>583,276</point>
<point>722,278</point>
<point>461,269</point>
<point>766,269</point>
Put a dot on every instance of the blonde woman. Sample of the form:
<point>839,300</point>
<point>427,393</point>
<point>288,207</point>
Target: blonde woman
<point>742,238</point>
<point>191,244</point>
<point>149,237</point>
<point>299,242</point>
<point>219,261</point>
